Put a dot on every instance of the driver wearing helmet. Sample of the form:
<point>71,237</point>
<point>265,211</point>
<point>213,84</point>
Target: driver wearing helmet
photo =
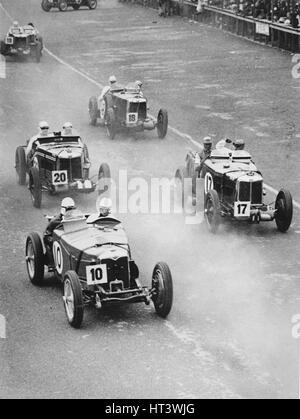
<point>204,155</point>
<point>15,28</point>
<point>43,132</point>
<point>104,206</point>
<point>67,205</point>
<point>139,85</point>
<point>106,89</point>
<point>67,129</point>
<point>239,144</point>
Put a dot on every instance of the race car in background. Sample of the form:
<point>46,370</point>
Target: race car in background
<point>22,41</point>
<point>57,164</point>
<point>233,189</point>
<point>125,108</point>
<point>92,258</point>
<point>63,5</point>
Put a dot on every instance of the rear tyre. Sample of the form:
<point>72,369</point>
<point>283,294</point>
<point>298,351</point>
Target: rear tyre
<point>111,124</point>
<point>93,110</point>
<point>46,6</point>
<point>21,165</point>
<point>35,258</point>
<point>92,4</point>
<point>284,210</point>
<point>73,299</point>
<point>62,5</point>
<point>3,48</point>
<point>37,52</point>
<point>212,210</point>
<point>162,285</point>
<point>104,179</point>
<point>35,187</point>
<point>162,123</point>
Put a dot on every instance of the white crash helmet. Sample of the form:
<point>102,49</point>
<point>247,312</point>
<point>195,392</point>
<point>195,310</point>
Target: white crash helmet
<point>207,143</point>
<point>16,24</point>
<point>104,207</point>
<point>67,128</point>
<point>112,79</point>
<point>43,125</point>
<point>67,204</point>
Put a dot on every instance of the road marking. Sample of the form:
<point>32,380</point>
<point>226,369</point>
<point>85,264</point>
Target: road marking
<point>172,129</point>
<point>2,327</point>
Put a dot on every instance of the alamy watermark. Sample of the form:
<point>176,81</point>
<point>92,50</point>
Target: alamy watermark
<point>138,195</point>
<point>2,327</point>
<point>2,67</point>
<point>296,67</point>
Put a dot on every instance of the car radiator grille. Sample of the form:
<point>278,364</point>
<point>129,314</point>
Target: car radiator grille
<point>20,43</point>
<point>73,166</point>
<point>250,191</point>
<point>118,269</point>
<point>140,108</point>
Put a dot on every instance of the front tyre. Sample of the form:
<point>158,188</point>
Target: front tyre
<point>111,124</point>
<point>162,287</point>
<point>21,165</point>
<point>35,187</point>
<point>284,210</point>
<point>104,179</point>
<point>46,6</point>
<point>212,210</point>
<point>162,123</point>
<point>73,299</point>
<point>92,4</point>
<point>93,110</point>
<point>62,5</point>
<point>35,258</point>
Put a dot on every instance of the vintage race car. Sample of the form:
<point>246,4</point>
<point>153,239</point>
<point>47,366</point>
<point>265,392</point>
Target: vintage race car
<point>91,256</point>
<point>62,5</point>
<point>23,41</point>
<point>233,188</point>
<point>126,108</point>
<point>57,164</point>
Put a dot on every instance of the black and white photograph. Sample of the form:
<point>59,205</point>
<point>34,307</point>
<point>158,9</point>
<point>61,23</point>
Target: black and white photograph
<point>150,202</point>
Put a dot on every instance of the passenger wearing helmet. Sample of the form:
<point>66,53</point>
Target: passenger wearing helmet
<point>67,129</point>
<point>67,205</point>
<point>239,144</point>
<point>43,132</point>
<point>104,206</point>
<point>139,85</point>
<point>15,28</point>
<point>223,143</point>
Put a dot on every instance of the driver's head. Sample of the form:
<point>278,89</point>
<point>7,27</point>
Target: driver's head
<point>239,144</point>
<point>67,128</point>
<point>112,80</point>
<point>67,204</point>
<point>207,144</point>
<point>44,128</point>
<point>105,206</point>
<point>138,84</point>
<point>16,24</point>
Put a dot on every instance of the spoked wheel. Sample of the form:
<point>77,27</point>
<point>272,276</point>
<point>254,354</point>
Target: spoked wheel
<point>62,5</point>
<point>35,187</point>
<point>212,210</point>
<point>35,258</point>
<point>21,165</point>
<point>284,210</point>
<point>92,4</point>
<point>179,186</point>
<point>162,286</point>
<point>73,299</point>
<point>46,6</point>
<point>111,124</point>
<point>104,179</point>
<point>162,123</point>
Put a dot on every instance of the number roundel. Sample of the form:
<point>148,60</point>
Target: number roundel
<point>58,258</point>
<point>208,182</point>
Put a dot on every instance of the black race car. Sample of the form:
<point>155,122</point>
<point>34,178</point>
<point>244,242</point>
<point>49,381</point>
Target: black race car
<point>63,5</point>
<point>126,108</point>
<point>56,164</point>
<point>233,188</point>
<point>24,41</point>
